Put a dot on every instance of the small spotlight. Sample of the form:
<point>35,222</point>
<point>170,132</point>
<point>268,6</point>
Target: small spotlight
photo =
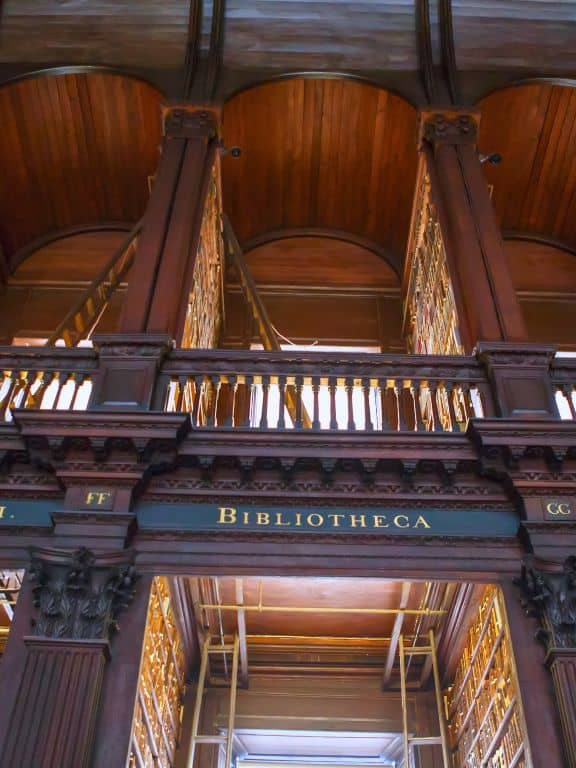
<point>234,151</point>
<point>494,159</point>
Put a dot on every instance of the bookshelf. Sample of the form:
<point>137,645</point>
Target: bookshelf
<point>430,309</point>
<point>158,712</point>
<point>485,719</point>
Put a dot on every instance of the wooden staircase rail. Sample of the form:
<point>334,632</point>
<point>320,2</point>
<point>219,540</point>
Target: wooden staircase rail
<point>85,313</point>
<point>265,327</point>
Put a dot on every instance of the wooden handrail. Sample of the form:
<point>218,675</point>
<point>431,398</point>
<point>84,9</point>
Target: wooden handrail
<point>267,332</point>
<point>85,313</point>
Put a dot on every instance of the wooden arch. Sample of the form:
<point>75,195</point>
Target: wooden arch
<point>321,153</point>
<point>533,126</point>
<point>77,148</point>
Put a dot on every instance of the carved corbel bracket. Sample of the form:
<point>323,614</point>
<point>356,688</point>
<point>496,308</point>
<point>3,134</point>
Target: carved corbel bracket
<point>511,441</point>
<point>79,595</point>
<point>82,447</point>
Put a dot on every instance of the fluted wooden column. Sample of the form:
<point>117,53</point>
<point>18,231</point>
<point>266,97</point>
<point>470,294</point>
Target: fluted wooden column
<point>549,595</point>
<point>562,665</point>
<point>476,259</point>
<point>57,657</point>
<point>536,689</point>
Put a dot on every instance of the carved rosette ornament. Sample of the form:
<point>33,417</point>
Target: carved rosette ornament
<point>551,597</point>
<point>79,596</point>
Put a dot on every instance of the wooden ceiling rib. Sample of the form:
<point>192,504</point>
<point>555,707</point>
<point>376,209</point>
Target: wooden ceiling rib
<point>76,149</point>
<point>328,153</point>
<point>533,127</point>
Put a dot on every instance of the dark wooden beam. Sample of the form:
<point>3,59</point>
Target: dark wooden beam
<point>216,52</point>
<point>172,222</point>
<point>487,302</point>
<point>193,48</point>
<point>424,43</point>
<point>448,51</point>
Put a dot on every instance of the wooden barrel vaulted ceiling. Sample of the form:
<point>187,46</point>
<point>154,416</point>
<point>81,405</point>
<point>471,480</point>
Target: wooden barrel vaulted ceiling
<point>533,127</point>
<point>321,154</point>
<point>76,150</point>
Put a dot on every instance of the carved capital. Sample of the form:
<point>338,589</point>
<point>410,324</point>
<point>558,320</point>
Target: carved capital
<point>449,127</point>
<point>551,597</point>
<point>79,595</point>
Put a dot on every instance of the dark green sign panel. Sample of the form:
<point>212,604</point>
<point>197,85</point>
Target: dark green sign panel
<point>34,512</point>
<point>404,522</point>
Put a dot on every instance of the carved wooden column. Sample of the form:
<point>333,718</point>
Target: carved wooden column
<point>161,277</point>
<point>550,597</point>
<point>485,295</point>
<point>57,653</point>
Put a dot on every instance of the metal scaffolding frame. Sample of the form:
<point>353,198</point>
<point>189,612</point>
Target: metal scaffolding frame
<point>422,741</point>
<point>208,649</point>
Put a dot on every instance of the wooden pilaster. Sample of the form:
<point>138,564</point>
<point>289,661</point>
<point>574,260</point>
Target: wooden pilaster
<point>562,665</point>
<point>548,596</point>
<point>120,685</point>
<point>475,254</point>
<point>57,654</point>
<point>534,684</point>
<point>160,280</point>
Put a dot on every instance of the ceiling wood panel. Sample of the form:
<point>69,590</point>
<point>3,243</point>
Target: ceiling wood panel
<point>336,35</point>
<point>533,127</point>
<point>321,594</point>
<point>76,149</point>
<point>529,35</point>
<point>321,153</point>
<point>123,32</point>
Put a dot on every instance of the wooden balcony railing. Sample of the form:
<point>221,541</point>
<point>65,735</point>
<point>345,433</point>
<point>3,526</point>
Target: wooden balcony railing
<point>331,392</point>
<point>563,377</point>
<point>355,392</point>
<point>45,378</point>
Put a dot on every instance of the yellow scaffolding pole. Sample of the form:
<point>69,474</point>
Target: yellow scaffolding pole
<point>198,738</point>
<point>422,741</point>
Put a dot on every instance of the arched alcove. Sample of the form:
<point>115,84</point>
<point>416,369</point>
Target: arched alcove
<point>322,156</point>
<point>76,149</point>
<point>533,127</point>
